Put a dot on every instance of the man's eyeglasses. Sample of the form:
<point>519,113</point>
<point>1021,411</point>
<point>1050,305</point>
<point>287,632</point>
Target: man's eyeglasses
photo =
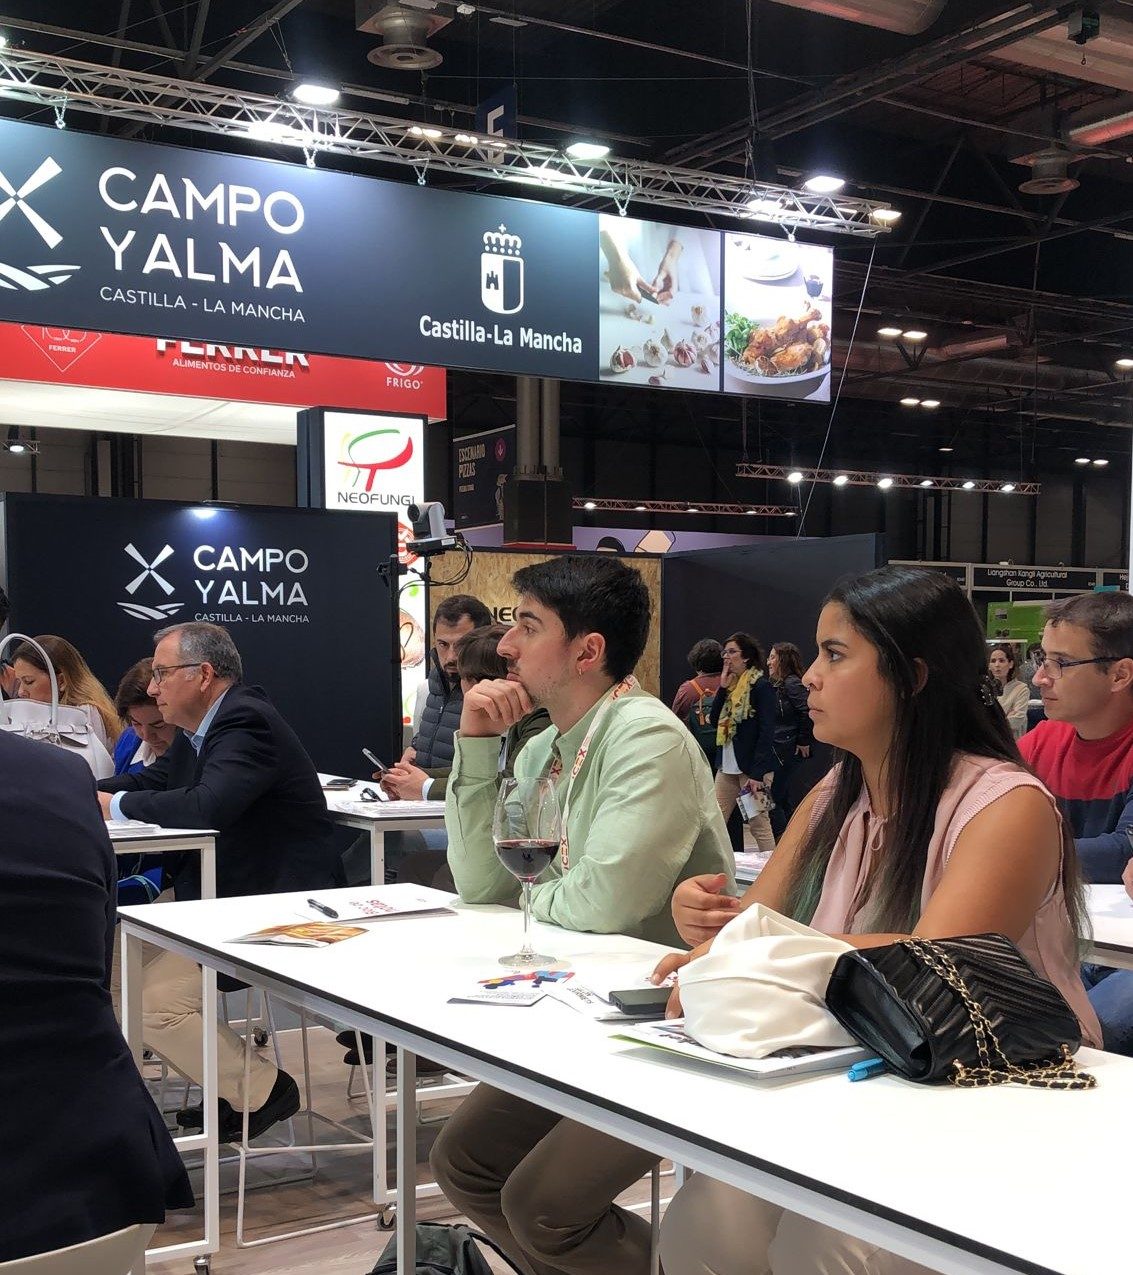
<point>160,672</point>
<point>1054,669</point>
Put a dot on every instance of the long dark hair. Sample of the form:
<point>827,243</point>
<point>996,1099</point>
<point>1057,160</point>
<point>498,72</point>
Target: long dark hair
<point>790,660</point>
<point>931,651</point>
<point>749,648</point>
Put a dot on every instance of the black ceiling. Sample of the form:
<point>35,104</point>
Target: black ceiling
<point>1028,299</point>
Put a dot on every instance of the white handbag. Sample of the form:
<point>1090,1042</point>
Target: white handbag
<point>54,723</point>
<point>761,987</point>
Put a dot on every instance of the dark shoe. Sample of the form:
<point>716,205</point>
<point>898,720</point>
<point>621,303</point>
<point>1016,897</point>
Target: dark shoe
<point>282,1102</point>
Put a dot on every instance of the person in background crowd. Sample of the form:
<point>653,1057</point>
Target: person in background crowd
<point>477,660</point>
<point>793,730</point>
<point>1083,752</point>
<point>7,673</point>
<point>1013,693</point>
<point>641,818</point>
<point>1027,673</point>
<point>744,716</point>
<point>929,826</point>
<point>146,737</point>
<point>694,698</point>
<point>422,772</point>
<point>234,765</point>
<point>86,1151</point>
<point>78,686</point>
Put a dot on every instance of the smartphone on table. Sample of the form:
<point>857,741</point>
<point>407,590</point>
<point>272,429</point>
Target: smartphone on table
<point>378,765</point>
<point>642,1002</point>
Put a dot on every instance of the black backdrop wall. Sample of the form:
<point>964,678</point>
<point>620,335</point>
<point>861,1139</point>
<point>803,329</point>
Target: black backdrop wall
<point>773,591</point>
<point>297,588</point>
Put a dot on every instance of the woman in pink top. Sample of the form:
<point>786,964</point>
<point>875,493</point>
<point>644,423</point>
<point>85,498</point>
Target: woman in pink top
<point>929,825</point>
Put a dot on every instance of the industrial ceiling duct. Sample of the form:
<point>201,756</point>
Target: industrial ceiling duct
<point>1049,172</point>
<point>405,30</point>
<point>905,17</point>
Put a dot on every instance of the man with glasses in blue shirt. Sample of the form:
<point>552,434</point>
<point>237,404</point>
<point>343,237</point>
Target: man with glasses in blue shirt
<point>1083,752</point>
<point>235,765</point>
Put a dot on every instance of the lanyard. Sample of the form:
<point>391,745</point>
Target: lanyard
<point>622,688</point>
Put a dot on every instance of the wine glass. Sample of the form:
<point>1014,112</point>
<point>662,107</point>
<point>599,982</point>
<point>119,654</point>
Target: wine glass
<point>526,827</point>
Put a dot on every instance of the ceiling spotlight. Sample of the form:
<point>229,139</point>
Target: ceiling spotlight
<point>968,485</point>
<point>910,402</point>
<point>795,476</point>
<point>587,151</point>
<point>691,510</point>
<point>930,402</point>
<point>1081,460</point>
<point>915,334</point>
<point>589,505</point>
<point>1125,364</point>
<point>639,509</point>
<point>889,330</point>
<point>944,449</point>
<point>14,443</point>
<point>791,513</point>
<point>824,184</point>
<point>887,216</point>
<point>466,10</point>
<point>841,480</point>
<point>764,206</point>
<point>1007,487</point>
<point>315,94</point>
<point>885,483</point>
<point>750,512</point>
<point>1101,462</point>
<point>420,130</point>
<point>926,482</point>
<point>466,139</point>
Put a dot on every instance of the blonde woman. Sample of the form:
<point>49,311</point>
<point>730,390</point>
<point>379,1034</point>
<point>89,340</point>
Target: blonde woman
<point>78,686</point>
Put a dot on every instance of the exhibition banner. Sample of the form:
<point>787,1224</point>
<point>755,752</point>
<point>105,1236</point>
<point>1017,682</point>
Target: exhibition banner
<point>298,590</point>
<point>109,234</point>
<point>481,464</point>
<point>199,369</point>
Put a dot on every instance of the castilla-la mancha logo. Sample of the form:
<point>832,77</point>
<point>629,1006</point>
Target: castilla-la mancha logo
<point>149,571</point>
<point>32,277</point>
<point>501,272</point>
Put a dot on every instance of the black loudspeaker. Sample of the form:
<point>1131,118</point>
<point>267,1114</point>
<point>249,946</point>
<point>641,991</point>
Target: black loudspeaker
<point>537,511</point>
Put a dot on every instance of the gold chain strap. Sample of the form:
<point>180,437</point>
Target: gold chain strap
<point>1063,1074</point>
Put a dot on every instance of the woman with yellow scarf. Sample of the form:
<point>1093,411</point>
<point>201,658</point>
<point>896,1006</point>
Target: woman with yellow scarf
<point>744,716</point>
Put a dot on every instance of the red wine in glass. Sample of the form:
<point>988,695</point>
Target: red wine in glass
<point>526,857</point>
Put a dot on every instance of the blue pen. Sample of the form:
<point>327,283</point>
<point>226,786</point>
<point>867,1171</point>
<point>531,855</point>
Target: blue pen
<point>866,1068</point>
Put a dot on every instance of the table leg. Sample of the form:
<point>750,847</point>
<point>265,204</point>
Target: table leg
<point>406,1160</point>
<point>132,994</point>
<point>208,870</point>
<point>377,856</point>
<point>209,1100</point>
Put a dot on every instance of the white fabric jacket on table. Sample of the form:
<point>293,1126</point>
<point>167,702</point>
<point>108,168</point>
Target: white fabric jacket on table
<point>761,987</point>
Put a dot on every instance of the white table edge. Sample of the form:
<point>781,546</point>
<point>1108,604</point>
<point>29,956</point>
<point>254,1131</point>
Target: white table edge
<point>952,1253</point>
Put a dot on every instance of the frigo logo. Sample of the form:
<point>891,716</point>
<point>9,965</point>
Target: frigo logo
<point>149,572</point>
<point>17,200</point>
<point>364,456</point>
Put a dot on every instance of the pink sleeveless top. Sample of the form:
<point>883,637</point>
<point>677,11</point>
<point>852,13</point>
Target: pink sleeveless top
<point>1049,944</point>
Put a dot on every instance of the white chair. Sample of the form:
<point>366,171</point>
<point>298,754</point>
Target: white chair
<point>114,1254</point>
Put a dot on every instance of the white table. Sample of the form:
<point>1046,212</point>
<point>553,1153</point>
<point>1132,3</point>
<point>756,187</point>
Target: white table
<point>379,817</point>
<point>127,840</point>
<point>1111,915</point>
<point>963,1181</point>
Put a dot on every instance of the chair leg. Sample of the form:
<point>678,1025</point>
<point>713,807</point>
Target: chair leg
<point>655,1220</point>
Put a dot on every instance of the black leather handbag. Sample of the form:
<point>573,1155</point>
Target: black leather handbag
<point>968,1010</point>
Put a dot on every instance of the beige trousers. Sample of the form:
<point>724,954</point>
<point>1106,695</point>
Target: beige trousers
<point>543,1187</point>
<point>713,1229</point>
<point>172,1026</point>
<point>728,788</point>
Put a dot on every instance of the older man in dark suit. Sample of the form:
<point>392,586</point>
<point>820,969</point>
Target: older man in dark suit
<point>238,767</point>
<point>85,1152</point>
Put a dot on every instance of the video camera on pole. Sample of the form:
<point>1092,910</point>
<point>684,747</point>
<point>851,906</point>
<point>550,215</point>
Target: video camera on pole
<point>429,533</point>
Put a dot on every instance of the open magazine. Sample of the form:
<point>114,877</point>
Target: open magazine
<point>670,1036</point>
<point>329,916</point>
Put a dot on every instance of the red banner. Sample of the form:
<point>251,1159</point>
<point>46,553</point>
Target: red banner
<point>103,360</point>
